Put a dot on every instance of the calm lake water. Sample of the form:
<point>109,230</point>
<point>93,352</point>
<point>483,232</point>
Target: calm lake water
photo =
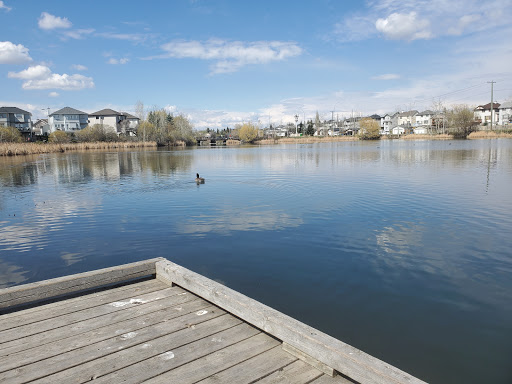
<point>401,249</point>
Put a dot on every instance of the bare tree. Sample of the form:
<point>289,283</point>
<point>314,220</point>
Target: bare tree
<point>438,109</point>
<point>141,114</point>
<point>461,120</point>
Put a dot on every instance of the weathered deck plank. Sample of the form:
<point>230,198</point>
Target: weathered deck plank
<point>331,380</point>
<point>54,335</point>
<point>74,317</point>
<point>103,329</point>
<point>253,369</point>
<point>76,304</point>
<point>68,284</point>
<point>116,353</point>
<point>296,373</point>
<point>215,362</point>
<point>172,358</point>
<point>81,364</point>
<point>151,332</point>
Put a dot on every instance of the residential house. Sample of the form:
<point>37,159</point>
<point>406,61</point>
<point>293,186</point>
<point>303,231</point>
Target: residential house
<point>422,130</point>
<point>398,130</point>
<point>505,114</point>
<point>351,125</point>
<point>67,119</point>
<point>118,122</point>
<point>407,119</point>
<point>482,113</point>
<point>40,127</point>
<point>132,123</point>
<point>385,124</point>
<point>423,119</point>
<point>18,118</point>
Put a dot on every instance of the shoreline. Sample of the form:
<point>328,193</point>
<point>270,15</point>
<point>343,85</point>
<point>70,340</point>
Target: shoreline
<point>24,149</point>
<point>333,139</point>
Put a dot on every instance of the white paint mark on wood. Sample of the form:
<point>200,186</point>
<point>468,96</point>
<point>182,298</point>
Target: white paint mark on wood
<point>201,313</point>
<point>167,355</point>
<point>119,304</point>
<point>217,339</point>
<point>146,345</point>
<point>129,335</point>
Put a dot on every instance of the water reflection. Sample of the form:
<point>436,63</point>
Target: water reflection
<point>384,245</point>
<point>227,221</point>
<point>11,274</point>
<point>94,165</point>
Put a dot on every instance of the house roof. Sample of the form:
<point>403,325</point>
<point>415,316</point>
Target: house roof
<point>488,106</point>
<point>68,111</point>
<point>408,113</point>
<point>106,112</point>
<point>427,112</point>
<point>506,104</point>
<point>41,122</point>
<point>13,110</point>
<point>130,116</point>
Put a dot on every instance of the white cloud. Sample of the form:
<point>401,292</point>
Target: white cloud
<point>48,21</point>
<point>53,94</point>
<point>387,76</point>
<point>3,6</point>
<point>79,67</point>
<point>401,26</point>
<point>78,34</point>
<point>13,53</point>
<point>133,37</point>
<point>464,22</point>
<point>31,73</point>
<point>64,82</point>
<point>230,56</point>
<point>41,77</point>
<point>113,61</point>
<point>396,19</point>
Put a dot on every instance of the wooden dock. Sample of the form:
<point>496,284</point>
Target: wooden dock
<point>157,322</point>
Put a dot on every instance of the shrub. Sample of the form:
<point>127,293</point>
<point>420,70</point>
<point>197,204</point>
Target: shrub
<point>369,129</point>
<point>10,135</point>
<point>248,132</point>
<point>59,137</point>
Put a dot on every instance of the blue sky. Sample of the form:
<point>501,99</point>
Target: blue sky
<point>227,62</point>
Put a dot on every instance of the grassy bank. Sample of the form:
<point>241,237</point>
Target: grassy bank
<point>16,149</point>
<point>490,135</point>
<point>328,139</point>
<point>443,136</point>
<point>306,140</point>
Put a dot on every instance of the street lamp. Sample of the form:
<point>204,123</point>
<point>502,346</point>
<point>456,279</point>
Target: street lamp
<point>296,120</point>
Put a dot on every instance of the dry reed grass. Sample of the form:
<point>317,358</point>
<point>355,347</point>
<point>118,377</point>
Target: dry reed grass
<point>18,149</point>
<point>306,140</point>
<point>443,136</point>
<point>489,135</point>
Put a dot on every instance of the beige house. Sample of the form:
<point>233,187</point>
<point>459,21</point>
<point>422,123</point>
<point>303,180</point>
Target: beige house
<point>67,119</point>
<point>118,122</point>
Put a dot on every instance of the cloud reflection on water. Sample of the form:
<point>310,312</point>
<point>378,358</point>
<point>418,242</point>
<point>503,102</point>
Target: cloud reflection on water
<point>230,220</point>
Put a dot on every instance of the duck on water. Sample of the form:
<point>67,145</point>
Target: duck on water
<point>199,180</point>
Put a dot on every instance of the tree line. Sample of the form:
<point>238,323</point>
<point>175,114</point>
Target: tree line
<point>164,128</point>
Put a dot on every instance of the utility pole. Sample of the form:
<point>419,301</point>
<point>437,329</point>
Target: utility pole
<point>492,109</point>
